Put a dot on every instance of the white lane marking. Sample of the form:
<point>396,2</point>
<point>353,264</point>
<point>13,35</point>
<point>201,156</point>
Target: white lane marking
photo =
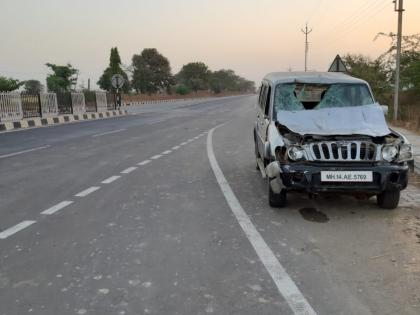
<point>166,152</point>
<point>108,133</point>
<point>155,157</point>
<point>88,191</point>
<point>24,151</point>
<point>109,180</point>
<point>14,229</point>
<point>284,283</point>
<point>57,207</point>
<point>175,147</point>
<point>129,170</point>
<point>183,143</point>
<point>144,162</point>
<point>156,122</point>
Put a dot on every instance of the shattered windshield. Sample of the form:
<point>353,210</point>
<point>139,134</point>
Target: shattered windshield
<point>304,96</point>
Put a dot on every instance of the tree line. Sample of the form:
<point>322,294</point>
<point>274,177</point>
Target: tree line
<point>380,72</point>
<point>149,73</point>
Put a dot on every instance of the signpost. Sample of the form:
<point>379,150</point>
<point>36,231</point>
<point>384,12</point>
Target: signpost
<point>338,65</point>
<point>117,81</point>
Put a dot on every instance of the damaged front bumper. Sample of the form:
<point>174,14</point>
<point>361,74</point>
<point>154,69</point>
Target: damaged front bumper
<point>305,177</point>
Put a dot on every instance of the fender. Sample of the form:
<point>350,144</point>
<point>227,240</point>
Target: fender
<point>274,140</point>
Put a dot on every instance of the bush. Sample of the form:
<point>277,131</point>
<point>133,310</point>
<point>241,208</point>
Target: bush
<point>182,90</point>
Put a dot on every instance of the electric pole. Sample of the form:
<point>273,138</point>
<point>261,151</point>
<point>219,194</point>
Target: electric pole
<point>306,31</point>
<point>398,8</point>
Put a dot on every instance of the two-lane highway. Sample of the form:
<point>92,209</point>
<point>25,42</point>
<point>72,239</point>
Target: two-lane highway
<point>160,212</point>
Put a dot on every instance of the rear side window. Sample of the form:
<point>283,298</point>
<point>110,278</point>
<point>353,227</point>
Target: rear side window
<point>267,101</point>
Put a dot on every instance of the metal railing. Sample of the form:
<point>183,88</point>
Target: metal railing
<point>10,107</point>
<point>15,106</point>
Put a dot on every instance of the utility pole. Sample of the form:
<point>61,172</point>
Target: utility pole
<point>89,84</point>
<point>398,8</point>
<point>306,31</point>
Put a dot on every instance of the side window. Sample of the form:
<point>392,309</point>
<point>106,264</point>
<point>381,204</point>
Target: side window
<point>260,96</point>
<point>263,96</point>
<point>267,102</point>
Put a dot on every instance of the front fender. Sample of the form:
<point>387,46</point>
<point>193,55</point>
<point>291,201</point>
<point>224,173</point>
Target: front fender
<point>274,140</point>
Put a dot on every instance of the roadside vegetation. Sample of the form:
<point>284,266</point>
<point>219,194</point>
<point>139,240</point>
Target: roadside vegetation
<point>379,73</point>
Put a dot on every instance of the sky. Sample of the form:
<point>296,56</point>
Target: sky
<point>251,37</point>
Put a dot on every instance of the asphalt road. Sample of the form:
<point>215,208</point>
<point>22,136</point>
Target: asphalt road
<point>128,216</point>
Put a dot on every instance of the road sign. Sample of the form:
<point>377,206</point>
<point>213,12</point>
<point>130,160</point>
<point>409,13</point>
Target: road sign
<point>117,81</point>
<point>338,65</point>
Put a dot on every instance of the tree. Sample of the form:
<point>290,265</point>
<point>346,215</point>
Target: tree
<point>375,72</point>
<point>33,86</point>
<point>195,75</point>
<point>9,84</point>
<point>151,72</point>
<point>62,79</point>
<point>227,80</point>
<point>409,62</point>
<point>113,68</point>
<point>410,70</point>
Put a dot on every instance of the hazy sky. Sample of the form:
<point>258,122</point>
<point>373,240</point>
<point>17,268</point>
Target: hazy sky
<point>252,37</point>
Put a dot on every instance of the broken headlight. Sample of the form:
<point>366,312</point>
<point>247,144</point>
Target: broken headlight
<point>406,153</point>
<point>296,153</point>
<point>389,152</point>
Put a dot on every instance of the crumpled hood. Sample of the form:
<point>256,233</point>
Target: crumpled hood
<point>362,120</point>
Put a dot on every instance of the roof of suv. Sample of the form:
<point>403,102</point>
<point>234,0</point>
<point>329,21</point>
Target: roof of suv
<point>311,77</point>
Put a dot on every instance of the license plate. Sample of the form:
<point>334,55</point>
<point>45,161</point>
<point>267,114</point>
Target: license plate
<point>346,176</point>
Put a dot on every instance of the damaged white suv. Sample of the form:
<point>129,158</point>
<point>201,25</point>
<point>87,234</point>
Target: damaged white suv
<point>324,132</point>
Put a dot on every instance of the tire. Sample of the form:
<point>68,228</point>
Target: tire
<point>388,199</point>
<point>276,200</point>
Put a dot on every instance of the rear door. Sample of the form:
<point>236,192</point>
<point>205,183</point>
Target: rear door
<point>263,119</point>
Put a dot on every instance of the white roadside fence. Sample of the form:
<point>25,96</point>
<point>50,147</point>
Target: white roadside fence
<point>49,105</point>
<point>78,103</point>
<point>10,107</point>
<point>101,103</point>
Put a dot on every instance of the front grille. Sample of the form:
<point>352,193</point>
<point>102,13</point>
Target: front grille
<point>343,151</point>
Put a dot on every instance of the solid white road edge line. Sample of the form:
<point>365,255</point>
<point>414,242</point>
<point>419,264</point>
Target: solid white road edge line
<point>129,170</point>
<point>175,147</point>
<point>284,283</point>
<point>144,162</point>
<point>108,133</point>
<point>109,180</point>
<point>183,143</point>
<point>166,152</point>
<point>155,157</point>
<point>14,229</point>
<point>24,151</point>
<point>88,191</point>
<point>57,207</point>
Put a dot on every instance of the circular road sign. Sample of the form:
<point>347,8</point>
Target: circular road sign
<point>117,81</point>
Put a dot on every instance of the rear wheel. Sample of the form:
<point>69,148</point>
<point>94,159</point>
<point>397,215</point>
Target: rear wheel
<point>276,200</point>
<point>388,199</point>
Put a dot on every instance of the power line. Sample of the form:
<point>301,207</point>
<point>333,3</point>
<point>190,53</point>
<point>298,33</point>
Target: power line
<point>357,15</point>
<point>357,24</point>
<point>314,11</point>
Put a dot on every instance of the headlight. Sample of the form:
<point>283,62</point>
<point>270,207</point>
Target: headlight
<point>295,153</point>
<point>389,152</point>
<point>406,153</point>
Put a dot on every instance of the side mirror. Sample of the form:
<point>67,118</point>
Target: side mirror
<point>385,109</point>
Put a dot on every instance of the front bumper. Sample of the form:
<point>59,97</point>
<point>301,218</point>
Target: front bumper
<point>307,178</point>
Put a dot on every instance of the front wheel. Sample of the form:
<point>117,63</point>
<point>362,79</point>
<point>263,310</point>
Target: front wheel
<point>388,199</point>
<point>276,200</point>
